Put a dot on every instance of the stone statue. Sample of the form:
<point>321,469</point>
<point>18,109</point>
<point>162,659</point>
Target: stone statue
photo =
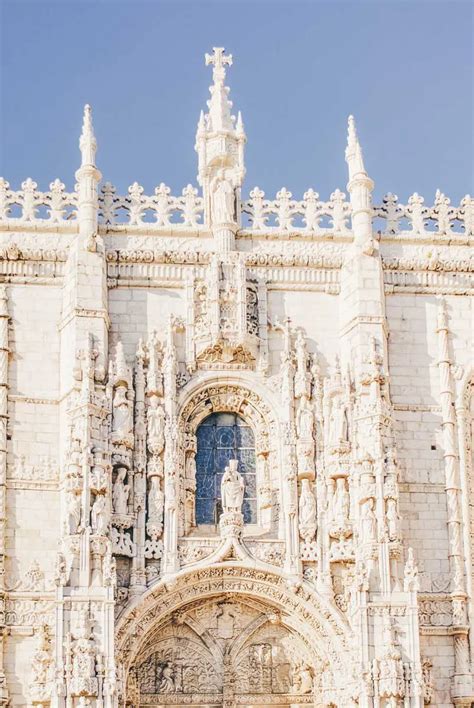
<point>120,492</point>
<point>392,519</point>
<point>338,429</point>
<point>223,200</point>
<point>232,488</point>
<point>191,467</point>
<point>368,522</point>
<point>305,419</point>
<point>73,512</point>
<point>341,501</point>
<point>122,413</point>
<point>99,515</point>
<point>156,502</point>
<point>167,684</point>
<point>156,426</point>
<point>307,512</point>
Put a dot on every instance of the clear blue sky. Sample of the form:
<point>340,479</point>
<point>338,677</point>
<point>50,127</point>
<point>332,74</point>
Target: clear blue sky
<point>404,68</point>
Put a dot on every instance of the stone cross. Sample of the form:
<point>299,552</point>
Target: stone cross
<point>218,59</point>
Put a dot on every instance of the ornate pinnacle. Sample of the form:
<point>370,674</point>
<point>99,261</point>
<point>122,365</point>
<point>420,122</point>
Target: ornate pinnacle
<point>87,141</point>
<point>219,60</point>
<point>219,104</point>
<point>354,157</point>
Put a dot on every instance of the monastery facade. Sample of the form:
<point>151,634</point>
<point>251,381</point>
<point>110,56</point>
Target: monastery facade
<point>236,435</point>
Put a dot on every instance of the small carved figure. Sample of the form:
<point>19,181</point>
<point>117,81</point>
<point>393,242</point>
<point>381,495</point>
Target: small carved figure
<point>156,502</point>
<point>305,419</point>
<point>99,515</point>
<point>73,512</point>
<point>341,501</point>
<point>223,200</point>
<point>167,684</point>
<point>191,467</point>
<point>368,522</point>
<point>122,414</point>
<point>392,519</point>
<point>232,488</point>
<point>307,512</point>
<point>156,426</point>
<point>338,428</point>
<point>120,492</point>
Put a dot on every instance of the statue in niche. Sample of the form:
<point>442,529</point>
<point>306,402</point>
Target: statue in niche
<point>232,488</point>
<point>167,683</point>
<point>120,492</point>
<point>305,419</point>
<point>73,512</point>
<point>223,199</point>
<point>341,501</point>
<point>338,427</point>
<point>307,512</point>
<point>191,466</point>
<point>392,519</point>
<point>156,426</point>
<point>368,522</point>
<point>122,414</point>
<point>156,503</point>
<point>99,515</point>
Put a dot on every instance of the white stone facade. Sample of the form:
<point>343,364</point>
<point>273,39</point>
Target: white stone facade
<point>331,342</point>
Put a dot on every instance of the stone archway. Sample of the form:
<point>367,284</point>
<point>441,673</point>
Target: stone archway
<point>233,635</point>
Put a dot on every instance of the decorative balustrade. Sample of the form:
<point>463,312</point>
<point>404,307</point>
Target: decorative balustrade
<point>287,214</point>
<point>55,206</point>
<point>280,215</point>
<point>161,208</point>
<point>417,219</point>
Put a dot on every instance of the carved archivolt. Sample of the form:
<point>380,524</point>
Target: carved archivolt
<point>324,634</point>
<point>235,397</point>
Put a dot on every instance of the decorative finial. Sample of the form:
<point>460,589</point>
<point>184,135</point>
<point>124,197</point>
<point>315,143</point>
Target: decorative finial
<point>87,142</point>
<point>351,131</point>
<point>219,60</point>
<point>239,127</point>
<point>354,157</point>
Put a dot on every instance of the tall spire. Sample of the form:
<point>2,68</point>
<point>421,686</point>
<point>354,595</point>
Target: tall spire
<point>360,188</point>
<point>219,105</point>
<point>354,157</point>
<point>220,140</point>
<point>87,141</point>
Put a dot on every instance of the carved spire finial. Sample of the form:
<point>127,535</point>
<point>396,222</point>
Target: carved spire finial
<point>87,142</point>
<point>219,105</point>
<point>354,157</point>
<point>218,60</point>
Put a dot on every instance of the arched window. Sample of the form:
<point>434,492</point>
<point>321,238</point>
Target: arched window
<point>222,437</point>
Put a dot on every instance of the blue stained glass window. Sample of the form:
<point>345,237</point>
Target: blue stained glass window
<point>222,437</point>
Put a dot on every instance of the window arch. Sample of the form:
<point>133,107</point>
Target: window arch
<point>222,437</point>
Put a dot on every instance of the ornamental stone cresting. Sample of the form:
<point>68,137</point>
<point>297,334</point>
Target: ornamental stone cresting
<point>236,440</point>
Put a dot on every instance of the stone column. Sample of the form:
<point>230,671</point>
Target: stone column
<point>4,350</point>
<point>462,683</point>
